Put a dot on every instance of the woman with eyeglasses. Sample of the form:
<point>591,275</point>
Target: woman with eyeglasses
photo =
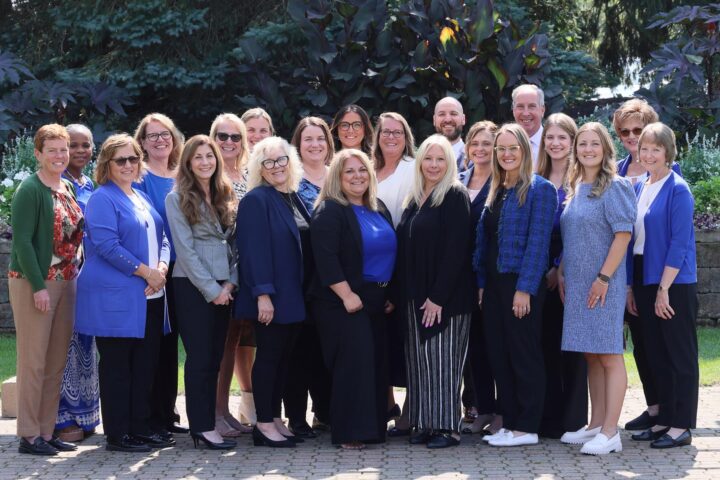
<point>161,145</point>
<point>393,158</point>
<point>274,240</point>
<point>121,295</point>
<point>628,122</point>
<point>511,256</point>
<point>351,126</point>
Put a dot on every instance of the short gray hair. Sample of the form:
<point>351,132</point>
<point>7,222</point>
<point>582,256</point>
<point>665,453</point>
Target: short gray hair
<point>529,87</point>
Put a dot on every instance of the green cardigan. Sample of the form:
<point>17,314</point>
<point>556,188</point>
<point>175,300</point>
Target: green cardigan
<point>33,220</point>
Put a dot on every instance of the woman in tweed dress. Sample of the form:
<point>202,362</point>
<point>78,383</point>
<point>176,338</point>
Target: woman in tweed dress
<point>596,226</point>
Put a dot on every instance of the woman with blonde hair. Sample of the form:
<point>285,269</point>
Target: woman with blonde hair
<point>511,251</point>
<point>354,248</point>
<point>434,290</point>
<point>259,125</point>
<point>596,226</point>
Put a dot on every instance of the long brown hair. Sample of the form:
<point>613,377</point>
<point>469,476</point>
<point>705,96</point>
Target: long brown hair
<point>222,198</point>
<point>566,124</point>
<point>369,133</point>
<point>498,173</point>
<point>608,169</point>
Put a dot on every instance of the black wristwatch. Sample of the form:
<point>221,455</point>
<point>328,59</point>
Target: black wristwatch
<point>604,278</point>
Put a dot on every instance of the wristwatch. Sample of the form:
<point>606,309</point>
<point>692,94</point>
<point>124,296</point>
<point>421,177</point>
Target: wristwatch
<point>603,277</point>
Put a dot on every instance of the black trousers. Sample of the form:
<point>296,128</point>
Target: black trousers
<point>479,384</point>
<point>307,374</point>
<point>672,349</point>
<point>566,387</point>
<point>127,368</point>
<point>354,347</point>
<point>275,343</point>
<point>202,327</point>
<point>165,384</point>
<point>514,347</point>
<point>641,358</point>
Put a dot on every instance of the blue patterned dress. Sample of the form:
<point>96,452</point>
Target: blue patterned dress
<point>308,193</point>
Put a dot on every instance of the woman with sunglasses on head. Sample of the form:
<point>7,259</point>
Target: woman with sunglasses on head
<point>511,252</point>
<point>161,145</point>
<point>201,215</point>
<point>121,295</point>
<point>628,122</point>
<point>272,244</point>
<point>230,134</point>
<point>351,126</point>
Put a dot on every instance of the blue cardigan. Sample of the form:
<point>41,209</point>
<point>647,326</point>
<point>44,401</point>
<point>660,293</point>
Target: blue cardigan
<point>524,236</point>
<point>110,298</point>
<point>669,234</point>
<point>270,256</point>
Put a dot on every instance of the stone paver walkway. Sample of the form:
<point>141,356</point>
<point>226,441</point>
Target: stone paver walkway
<point>394,460</point>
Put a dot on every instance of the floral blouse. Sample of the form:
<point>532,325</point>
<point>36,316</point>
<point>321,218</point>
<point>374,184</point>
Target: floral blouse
<point>308,193</point>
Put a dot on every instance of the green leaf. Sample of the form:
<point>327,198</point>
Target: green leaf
<point>501,76</point>
<point>482,22</point>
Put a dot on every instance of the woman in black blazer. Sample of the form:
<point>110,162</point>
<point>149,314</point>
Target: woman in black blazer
<point>435,287</point>
<point>354,247</point>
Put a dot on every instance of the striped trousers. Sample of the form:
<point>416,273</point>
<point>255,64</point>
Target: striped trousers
<point>434,372</point>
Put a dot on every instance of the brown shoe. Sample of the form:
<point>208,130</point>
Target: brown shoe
<point>71,434</point>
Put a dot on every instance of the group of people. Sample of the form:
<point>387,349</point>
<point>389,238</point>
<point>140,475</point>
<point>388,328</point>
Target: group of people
<point>344,272</point>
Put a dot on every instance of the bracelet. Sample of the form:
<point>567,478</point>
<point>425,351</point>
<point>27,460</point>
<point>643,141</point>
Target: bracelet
<point>604,279</point>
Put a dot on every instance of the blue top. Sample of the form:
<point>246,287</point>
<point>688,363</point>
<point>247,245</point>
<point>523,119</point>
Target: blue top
<point>308,193</point>
<point>157,188</point>
<point>523,236</point>
<point>82,192</point>
<point>379,245</point>
<point>669,234</point>
<point>624,164</point>
<point>110,299</point>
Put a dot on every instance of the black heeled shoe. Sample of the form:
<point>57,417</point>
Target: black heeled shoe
<point>394,412</point>
<point>259,439</point>
<point>293,438</point>
<point>224,445</point>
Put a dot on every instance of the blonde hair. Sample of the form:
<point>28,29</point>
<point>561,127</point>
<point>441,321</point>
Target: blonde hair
<point>477,127</point>
<point>322,125</point>
<point>258,112</point>
<point>634,109</point>
<point>332,190</point>
<point>222,196</point>
<point>446,183</point>
<point>566,124</point>
<point>660,134</point>
<point>377,155</point>
<point>259,153</point>
<point>242,158</point>
<point>177,137</point>
<point>525,174</point>
<point>107,151</point>
<point>608,169</point>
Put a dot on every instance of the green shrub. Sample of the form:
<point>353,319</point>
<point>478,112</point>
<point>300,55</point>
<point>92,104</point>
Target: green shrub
<point>707,196</point>
<point>17,163</point>
<point>700,160</point>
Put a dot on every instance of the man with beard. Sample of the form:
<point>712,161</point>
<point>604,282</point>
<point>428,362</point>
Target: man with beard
<point>449,121</point>
<point>528,108</point>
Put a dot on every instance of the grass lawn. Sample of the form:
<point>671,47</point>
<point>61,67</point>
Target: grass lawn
<point>708,338</point>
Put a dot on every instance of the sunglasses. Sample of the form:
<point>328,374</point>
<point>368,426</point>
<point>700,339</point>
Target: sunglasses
<point>625,132</point>
<point>121,161</point>
<point>222,136</point>
<point>269,164</point>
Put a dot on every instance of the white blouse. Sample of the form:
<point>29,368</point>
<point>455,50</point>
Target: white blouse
<point>393,190</point>
<point>647,197</point>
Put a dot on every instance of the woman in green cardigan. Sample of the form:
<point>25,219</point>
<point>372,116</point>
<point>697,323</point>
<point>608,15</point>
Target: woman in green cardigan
<point>47,232</point>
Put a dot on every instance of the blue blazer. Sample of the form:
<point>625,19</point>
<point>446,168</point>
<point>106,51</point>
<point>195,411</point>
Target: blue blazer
<point>524,236</point>
<point>110,299</point>
<point>669,234</point>
<point>624,164</point>
<point>270,256</point>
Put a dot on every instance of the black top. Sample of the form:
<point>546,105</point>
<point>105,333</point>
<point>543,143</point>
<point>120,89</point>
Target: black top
<point>302,220</point>
<point>434,251</point>
<point>492,227</point>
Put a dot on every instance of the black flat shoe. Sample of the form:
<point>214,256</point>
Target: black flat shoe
<point>293,438</point>
<point>398,432</point>
<point>126,443</point>
<point>62,446</point>
<point>648,435</point>
<point>421,437</point>
<point>154,440</point>
<point>177,428</point>
<point>224,445</point>
<point>394,412</point>
<point>666,441</point>
<point>38,447</point>
<point>165,434</point>
<point>442,440</point>
<point>259,439</point>
<point>642,422</point>
<point>302,430</point>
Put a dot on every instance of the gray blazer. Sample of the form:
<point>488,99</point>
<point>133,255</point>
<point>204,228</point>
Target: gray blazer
<point>205,253</point>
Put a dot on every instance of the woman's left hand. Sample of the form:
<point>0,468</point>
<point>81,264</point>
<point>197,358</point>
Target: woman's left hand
<point>389,307</point>
<point>521,304</point>
<point>662,305</point>
<point>432,313</point>
<point>596,296</point>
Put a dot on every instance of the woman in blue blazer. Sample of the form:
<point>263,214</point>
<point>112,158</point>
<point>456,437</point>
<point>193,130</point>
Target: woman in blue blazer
<point>663,276</point>
<point>273,236</point>
<point>120,297</point>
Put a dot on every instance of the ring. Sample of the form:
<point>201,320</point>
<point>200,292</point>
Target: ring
<point>597,298</point>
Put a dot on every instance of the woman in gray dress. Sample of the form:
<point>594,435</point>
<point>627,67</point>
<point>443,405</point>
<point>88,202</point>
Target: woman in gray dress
<point>596,227</point>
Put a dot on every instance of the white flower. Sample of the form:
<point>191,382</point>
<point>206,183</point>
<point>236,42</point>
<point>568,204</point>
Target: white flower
<point>21,175</point>
<point>7,183</point>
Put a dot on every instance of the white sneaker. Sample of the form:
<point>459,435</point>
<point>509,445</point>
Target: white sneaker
<point>513,441</point>
<point>602,445</point>
<point>497,435</point>
<point>581,436</point>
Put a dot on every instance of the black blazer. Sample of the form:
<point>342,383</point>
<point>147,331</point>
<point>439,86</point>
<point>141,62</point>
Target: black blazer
<point>338,248</point>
